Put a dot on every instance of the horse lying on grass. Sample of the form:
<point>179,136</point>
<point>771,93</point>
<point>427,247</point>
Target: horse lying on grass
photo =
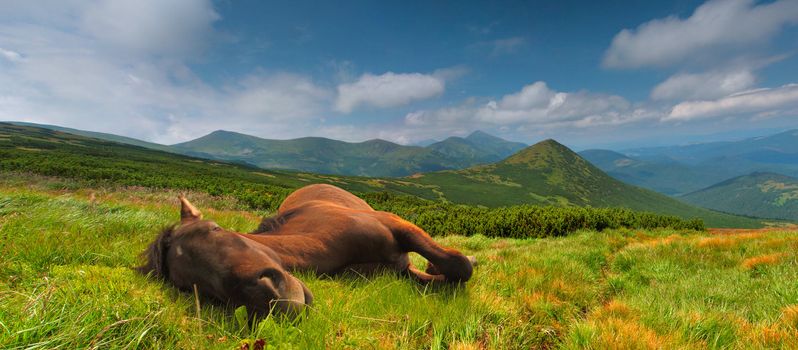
<point>318,228</point>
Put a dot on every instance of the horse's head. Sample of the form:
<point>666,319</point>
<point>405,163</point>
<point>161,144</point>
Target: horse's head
<point>224,265</point>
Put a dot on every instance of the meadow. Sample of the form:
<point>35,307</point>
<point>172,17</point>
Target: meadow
<point>66,281</point>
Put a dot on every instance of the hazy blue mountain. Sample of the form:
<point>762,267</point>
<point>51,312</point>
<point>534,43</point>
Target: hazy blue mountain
<point>678,170</point>
<point>777,148</point>
<point>663,175</point>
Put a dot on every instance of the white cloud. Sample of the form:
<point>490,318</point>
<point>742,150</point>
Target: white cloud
<point>535,106</point>
<point>713,29</point>
<point>12,56</point>
<point>387,90</point>
<point>150,26</point>
<point>707,85</point>
<point>761,102</point>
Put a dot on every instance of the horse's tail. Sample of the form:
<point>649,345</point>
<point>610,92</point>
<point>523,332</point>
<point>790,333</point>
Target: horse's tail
<point>448,262</point>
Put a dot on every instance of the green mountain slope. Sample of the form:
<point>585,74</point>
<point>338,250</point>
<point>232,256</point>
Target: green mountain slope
<point>100,135</point>
<point>765,195</point>
<point>549,173</point>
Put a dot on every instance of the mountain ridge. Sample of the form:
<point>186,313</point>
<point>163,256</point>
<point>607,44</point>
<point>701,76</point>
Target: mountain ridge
<point>759,194</point>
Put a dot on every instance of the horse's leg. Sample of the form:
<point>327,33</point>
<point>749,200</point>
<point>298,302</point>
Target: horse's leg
<point>453,265</point>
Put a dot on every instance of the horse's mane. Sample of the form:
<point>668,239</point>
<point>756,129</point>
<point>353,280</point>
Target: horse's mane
<point>273,223</point>
<point>155,255</point>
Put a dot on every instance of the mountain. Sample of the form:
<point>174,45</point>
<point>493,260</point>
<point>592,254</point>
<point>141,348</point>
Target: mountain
<point>777,148</point>
<point>677,170</point>
<point>549,173</point>
<point>477,148</point>
<point>663,174</point>
<point>765,195</point>
<point>369,158</point>
<point>425,143</point>
<point>99,135</point>
<point>317,154</point>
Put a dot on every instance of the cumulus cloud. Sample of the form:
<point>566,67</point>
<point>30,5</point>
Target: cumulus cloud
<point>536,105</point>
<point>387,90</point>
<point>707,85</point>
<point>714,28</point>
<point>759,101</point>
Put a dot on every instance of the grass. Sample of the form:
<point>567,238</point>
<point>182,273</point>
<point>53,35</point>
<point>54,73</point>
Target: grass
<point>66,282</point>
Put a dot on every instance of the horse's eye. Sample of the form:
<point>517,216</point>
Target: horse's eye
<point>217,228</point>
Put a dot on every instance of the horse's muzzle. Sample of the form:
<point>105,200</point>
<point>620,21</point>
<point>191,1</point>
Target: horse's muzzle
<point>294,298</point>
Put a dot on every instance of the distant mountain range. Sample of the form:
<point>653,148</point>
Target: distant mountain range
<point>764,195</point>
<point>677,170</point>
<point>326,156</point>
<point>369,158</point>
<point>546,173</point>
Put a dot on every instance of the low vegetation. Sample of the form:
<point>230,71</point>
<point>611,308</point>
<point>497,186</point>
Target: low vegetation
<point>66,282</point>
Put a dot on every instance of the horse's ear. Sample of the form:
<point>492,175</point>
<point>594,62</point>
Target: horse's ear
<point>187,210</point>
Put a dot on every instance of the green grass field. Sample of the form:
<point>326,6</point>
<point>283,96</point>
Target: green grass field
<point>66,281</point>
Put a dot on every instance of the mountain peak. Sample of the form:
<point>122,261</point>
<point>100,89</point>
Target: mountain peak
<point>481,135</point>
<point>544,154</point>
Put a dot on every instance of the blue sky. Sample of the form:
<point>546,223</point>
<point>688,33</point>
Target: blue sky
<point>589,74</point>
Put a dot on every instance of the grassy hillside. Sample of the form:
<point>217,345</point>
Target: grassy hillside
<point>101,136</point>
<point>561,177</point>
<point>549,173</point>
<point>66,282</point>
<point>764,195</point>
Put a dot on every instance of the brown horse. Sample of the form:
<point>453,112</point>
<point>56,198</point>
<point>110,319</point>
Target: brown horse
<point>318,228</point>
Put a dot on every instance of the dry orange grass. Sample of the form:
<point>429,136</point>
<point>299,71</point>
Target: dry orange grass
<point>647,242</point>
<point>771,335</point>
<point>630,334</point>
<point>757,261</point>
<point>727,241</point>
<point>789,316</point>
<point>618,327</point>
<point>465,346</point>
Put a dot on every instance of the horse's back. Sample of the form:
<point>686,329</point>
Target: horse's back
<point>323,192</point>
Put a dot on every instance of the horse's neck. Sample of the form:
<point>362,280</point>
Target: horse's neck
<point>295,251</point>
